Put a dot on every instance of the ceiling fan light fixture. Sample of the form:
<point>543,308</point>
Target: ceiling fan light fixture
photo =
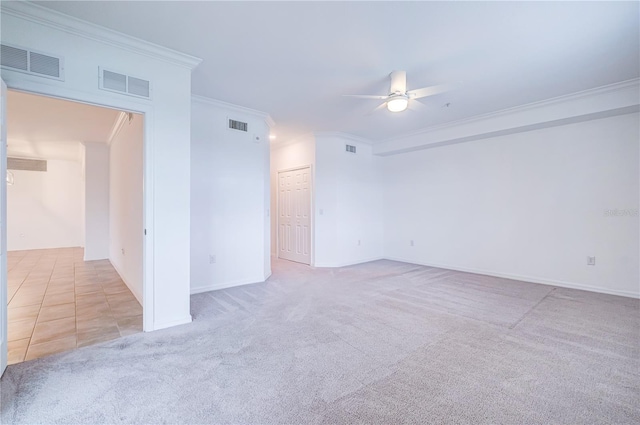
<point>397,104</point>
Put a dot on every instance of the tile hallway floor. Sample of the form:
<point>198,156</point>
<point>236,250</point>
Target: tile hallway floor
<point>58,302</point>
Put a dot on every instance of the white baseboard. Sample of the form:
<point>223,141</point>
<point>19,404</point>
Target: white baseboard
<point>163,325</point>
<point>351,263</point>
<point>524,278</point>
<point>225,285</point>
<point>131,287</point>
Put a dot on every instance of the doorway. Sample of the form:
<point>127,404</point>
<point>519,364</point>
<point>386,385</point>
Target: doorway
<point>74,225</point>
<point>294,215</point>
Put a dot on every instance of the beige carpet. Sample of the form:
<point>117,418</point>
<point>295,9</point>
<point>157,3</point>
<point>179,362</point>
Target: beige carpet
<point>382,342</point>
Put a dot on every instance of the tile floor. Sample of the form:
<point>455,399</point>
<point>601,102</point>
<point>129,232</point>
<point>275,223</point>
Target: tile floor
<point>58,302</point>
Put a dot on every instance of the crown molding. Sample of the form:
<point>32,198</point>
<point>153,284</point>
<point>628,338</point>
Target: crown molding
<point>59,21</point>
<point>341,135</point>
<point>237,108</point>
<point>577,96</point>
<point>119,122</point>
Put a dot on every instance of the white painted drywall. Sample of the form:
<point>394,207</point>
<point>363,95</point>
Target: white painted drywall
<point>44,209</point>
<point>530,206</point>
<point>167,134</point>
<point>348,206</point>
<point>230,197</point>
<point>96,201</point>
<point>285,156</point>
<point>126,229</point>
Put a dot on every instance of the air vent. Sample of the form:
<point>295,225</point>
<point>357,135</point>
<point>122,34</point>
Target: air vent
<point>31,62</point>
<point>26,164</point>
<point>238,125</point>
<point>44,65</point>
<point>15,58</point>
<point>125,84</point>
<point>350,148</point>
<point>138,87</point>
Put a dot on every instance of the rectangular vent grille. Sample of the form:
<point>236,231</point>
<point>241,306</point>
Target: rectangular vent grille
<point>138,87</point>
<point>31,62</point>
<point>14,58</point>
<point>26,164</point>
<point>125,84</point>
<point>238,125</point>
<point>44,65</point>
<point>350,148</point>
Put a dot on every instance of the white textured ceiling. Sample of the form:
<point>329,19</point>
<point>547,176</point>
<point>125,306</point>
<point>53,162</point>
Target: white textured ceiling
<point>294,60</point>
<point>44,127</point>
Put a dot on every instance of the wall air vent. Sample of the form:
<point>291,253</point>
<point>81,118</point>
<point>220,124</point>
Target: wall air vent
<point>124,84</point>
<point>31,62</point>
<point>238,125</point>
<point>350,148</point>
<point>26,164</point>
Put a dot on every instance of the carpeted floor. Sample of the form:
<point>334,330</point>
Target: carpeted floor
<point>382,342</point>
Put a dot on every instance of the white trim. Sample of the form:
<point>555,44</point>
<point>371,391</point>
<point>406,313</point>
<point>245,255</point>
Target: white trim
<point>120,121</point>
<point>164,325</point>
<point>237,108</point>
<point>610,88</point>
<point>59,21</point>
<point>524,278</point>
<point>299,167</point>
<point>346,136</point>
<point>349,263</point>
<point>225,285</point>
<point>4,301</point>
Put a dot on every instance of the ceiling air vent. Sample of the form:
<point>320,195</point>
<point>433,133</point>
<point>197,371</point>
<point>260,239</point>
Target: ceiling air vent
<point>31,62</point>
<point>350,148</point>
<point>26,164</point>
<point>238,125</point>
<point>125,84</point>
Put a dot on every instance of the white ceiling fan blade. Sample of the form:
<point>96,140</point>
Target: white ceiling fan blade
<point>398,82</point>
<point>366,96</point>
<point>379,107</point>
<point>416,106</point>
<point>429,91</point>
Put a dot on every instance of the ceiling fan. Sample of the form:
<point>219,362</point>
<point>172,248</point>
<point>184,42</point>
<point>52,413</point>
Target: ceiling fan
<point>399,98</point>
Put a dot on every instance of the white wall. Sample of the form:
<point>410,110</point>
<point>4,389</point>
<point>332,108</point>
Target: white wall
<point>96,201</point>
<point>285,156</point>
<point>529,206</point>
<point>125,207</point>
<point>85,48</point>
<point>44,209</point>
<point>229,197</point>
<point>348,207</point>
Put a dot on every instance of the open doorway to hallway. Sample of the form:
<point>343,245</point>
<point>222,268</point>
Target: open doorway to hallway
<point>74,225</point>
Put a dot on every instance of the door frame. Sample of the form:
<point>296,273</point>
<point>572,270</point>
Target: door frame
<point>311,211</point>
<point>127,104</point>
<point>4,304</point>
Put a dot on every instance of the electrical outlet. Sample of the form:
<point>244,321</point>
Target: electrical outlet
<point>358,242</point>
<point>212,259</point>
<point>591,261</point>
<point>411,242</point>
<point>122,251</point>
